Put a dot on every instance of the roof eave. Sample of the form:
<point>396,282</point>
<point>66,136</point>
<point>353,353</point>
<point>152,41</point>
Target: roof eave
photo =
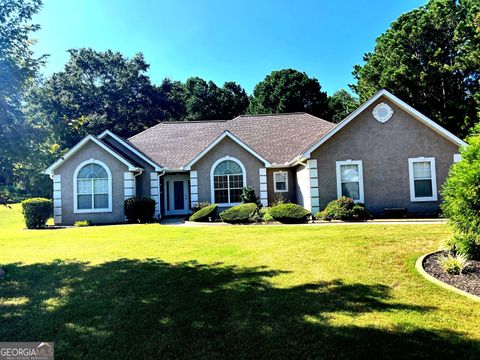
<point>51,169</point>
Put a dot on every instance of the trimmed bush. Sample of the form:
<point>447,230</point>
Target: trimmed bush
<point>265,214</point>
<point>139,210</point>
<point>199,206</point>
<point>343,208</point>
<point>240,214</point>
<point>461,199</point>
<point>205,213</point>
<point>290,213</point>
<point>248,196</point>
<point>36,212</point>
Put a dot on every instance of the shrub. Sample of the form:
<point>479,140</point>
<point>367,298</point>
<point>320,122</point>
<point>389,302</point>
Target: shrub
<point>140,210</point>
<point>453,264</point>
<point>36,212</point>
<point>461,195</point>
<point>82,223</point>
<point>204,214</point>
<point>290,213</point>
<point>266,214</point>
<point>243,213</point>
<point>278,199</point>
<point>199,205</point>
<point>248,196</point>
<point>343,208</point>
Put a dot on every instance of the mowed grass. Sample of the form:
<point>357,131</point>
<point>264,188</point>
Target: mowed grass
<point>153,291</point>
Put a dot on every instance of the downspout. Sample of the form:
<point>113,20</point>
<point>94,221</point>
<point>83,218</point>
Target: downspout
<point>159,194</point>
<point>136,173</point>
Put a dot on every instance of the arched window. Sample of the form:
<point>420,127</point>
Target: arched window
<point>92,187</point>
<point>228,178</point>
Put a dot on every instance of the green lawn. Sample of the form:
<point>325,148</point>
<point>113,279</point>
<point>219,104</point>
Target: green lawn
<point>152,291</point>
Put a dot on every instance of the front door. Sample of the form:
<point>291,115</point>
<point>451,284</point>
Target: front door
<point>176,195</point>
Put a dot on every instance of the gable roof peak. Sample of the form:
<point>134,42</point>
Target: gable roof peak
<point>398,102</point>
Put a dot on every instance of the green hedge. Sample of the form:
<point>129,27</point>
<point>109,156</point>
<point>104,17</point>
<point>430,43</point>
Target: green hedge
<point>244,213</point>
<point>290,213</point>
<point>205,213</point>
<point>36,212</point>
<point>139,210</point>
<point>345,209</point>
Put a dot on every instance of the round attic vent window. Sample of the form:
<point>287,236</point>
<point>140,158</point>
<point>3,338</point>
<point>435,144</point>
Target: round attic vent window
<point>382,112</point>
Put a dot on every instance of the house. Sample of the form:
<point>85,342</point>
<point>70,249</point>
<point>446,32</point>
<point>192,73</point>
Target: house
<point>385,154</point>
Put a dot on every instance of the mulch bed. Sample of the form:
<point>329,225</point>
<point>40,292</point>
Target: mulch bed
<point>468,281</point>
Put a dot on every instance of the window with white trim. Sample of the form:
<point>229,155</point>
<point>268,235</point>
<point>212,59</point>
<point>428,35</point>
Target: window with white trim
<point>228,182</point>
<point>423,184</point>
<point>350,180</point>
<point>92,188</point>
<point>280,181</point>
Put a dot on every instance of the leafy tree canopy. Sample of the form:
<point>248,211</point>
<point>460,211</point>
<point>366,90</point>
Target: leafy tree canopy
<point>430,57</point>
<point>17,67</point>
<point>340,105</point>
<point>94,92</point>
<point>197,99</point>
<point>286,91</point>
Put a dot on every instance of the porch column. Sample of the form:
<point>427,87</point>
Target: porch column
<point>57,199</point>
<point>193,188</point>
<point>128,185</point>
<point>155,192</point>
<point>262,173</point>
<point>314,194</point>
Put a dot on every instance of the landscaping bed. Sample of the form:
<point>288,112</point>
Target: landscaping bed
<point>468,280</point>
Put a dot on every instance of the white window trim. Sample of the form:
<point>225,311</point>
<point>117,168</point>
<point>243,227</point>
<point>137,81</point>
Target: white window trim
<point>275,182</point>
<point>212,188</point>
<point>434,196</point>
<point>76,210</point>
<point>360,178</point>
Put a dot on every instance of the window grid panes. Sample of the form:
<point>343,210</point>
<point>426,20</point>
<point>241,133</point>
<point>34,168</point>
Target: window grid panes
<point>422,178</point>
<point>227,182</point>
<point>92,188</point>
<point>350,181</point>
<point>280,179</point>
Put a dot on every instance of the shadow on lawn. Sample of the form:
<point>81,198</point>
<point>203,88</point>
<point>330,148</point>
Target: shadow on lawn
<point>130,309</point>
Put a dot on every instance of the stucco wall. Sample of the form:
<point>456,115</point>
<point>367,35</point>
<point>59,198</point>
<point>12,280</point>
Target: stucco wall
<point>302,187</point>
<point>290,195</point>
<point>226,147</point>
<point>384,150</point>
<point>67,169</point>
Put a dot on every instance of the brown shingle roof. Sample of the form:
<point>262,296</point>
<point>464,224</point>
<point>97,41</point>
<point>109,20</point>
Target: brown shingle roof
<point>279,138</point>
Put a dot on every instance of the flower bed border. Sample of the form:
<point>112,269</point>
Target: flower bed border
<point>421,270</point>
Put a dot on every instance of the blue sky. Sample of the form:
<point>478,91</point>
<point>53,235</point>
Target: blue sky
<point>224,40</point>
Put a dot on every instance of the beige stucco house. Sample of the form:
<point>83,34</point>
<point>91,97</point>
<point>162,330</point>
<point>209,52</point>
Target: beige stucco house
<point>385,155</point>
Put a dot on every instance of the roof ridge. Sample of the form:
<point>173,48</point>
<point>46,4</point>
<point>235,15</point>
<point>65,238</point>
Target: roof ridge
<point>276,114</point>
<point>193,121</point>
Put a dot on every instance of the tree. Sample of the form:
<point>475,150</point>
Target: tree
<point>17,67</point>
<point>287,91</point>
<point>206,101</point>
<point>461,195</point>
<point>430,57</point>
<point>340,105</point>
<point>97,91</point>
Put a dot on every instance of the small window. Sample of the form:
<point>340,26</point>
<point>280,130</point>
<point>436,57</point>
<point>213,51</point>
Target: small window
<point>92,188</point>
<point>350,179</point>
<point>280,181</point>
<point>423,184</point>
